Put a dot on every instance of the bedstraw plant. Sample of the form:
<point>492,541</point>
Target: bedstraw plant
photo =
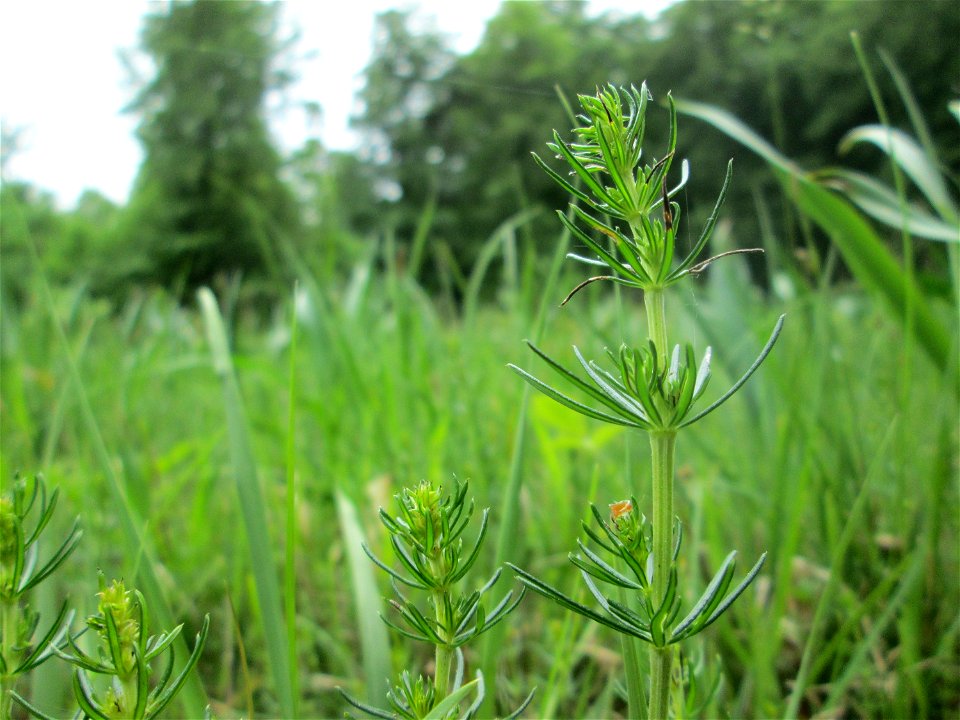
<point>623,213</point>
<point>125,652</point>
<point>427,537</point>
<point>25,512</point>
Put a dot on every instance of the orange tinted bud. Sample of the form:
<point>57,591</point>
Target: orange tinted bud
<point>619,509</point>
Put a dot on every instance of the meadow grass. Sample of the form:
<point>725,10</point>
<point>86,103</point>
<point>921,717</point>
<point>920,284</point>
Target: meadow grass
<point>848,481</point>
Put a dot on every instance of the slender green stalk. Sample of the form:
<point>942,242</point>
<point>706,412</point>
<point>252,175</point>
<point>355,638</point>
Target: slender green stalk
<point>662,446</point>
<point>9,612</point>
<point>289,566</point>
<point>443,659</point>
<point>655,302</point>
<point>443,656</point>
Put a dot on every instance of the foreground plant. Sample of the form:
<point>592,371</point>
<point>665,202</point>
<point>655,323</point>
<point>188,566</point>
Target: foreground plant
<point>427,537</point>
<point>24,515</point>
<point>651,387</point>
<point>123,654</point>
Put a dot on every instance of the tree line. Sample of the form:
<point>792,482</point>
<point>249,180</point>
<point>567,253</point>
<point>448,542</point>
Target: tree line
<point>447,138</point>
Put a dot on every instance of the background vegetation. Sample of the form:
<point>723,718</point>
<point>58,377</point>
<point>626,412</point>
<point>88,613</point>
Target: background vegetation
<point>421,262</point>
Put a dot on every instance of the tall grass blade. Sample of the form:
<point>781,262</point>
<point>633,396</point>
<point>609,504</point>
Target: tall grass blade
<point>911,158</point>
<point>252,504</point>
<point>494,245</point>
<point>862,249</point>
<point>420,235</point>
<point>289,568</point>
<point>374,642</point>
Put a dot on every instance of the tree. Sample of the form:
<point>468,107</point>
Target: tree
<point>401,89</point>
<point>209,198</point>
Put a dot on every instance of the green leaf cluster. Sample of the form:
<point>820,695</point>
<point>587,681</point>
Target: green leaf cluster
<point>24,514</point>
<point>646,393</point>
<point>124,654</point>
<point>427,538</point>
<point>655,622</point>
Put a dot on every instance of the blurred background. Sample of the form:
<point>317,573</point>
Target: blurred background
<point>377,159</point>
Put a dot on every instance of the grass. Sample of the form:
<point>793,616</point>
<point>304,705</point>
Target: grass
<point>823,460</point>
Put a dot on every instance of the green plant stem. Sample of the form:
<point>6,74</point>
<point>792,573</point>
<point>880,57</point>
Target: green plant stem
<point>9,612</point>
<point>444,653</point>
<point>129,688</point>
<point>662,446</point>
<point>655,302</point>
<point>442,663</point>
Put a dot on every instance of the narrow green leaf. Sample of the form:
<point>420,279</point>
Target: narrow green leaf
<point>569,402</point>
<point>252,505</point>
<point>746,376</point>
<point>30,708</point>
<point>47,509</point>
<point>609,260</point>
<point>558,597</point>
<point>882,204</point>
<point>53,637</point>
<point>736,592</point>
<point>142,686</point>
<point>363,707</point>
<point>449,703</point>
<point>630,407</point>
<point>466,564</point>
<point>562,182</point>
<point>57,559</point>
<point>290,524</point>
<point>715,588</point>
<point>691,258</point>
<point>908,154</point>
<point>113,641</point>
<point>390,571</point>
<point>861,248</point>
<point>84,695</point>
<point>586,177</point>
<point>601,570</point>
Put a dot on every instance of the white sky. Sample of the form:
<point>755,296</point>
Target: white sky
<point>62,83</point>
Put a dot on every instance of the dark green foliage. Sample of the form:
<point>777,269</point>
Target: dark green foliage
<point>209,199</point>
<point>76,247</point>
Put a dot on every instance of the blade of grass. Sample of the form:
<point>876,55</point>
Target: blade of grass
<point>252,504</point>
<point>289,568</point>
<point>374,642</point>
<point>420,235</point>
<point>496,243</point>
